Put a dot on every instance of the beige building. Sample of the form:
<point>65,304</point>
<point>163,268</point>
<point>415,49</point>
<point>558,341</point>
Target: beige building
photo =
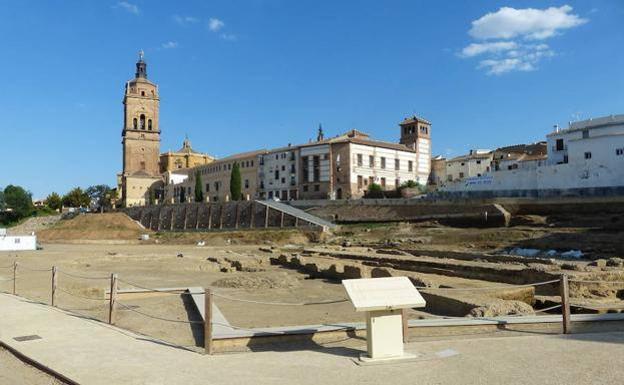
<point>185,157</point>
<point>474,164</point>
<point>140,178</point>
<point>416,134</point>
<point>215,179</point>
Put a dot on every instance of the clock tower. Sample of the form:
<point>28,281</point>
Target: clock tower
<point>140,137</point>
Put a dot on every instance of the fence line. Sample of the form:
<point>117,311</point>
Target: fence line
<point>80,296</point>
<point>153,289</point>
<point>488,287</point>
<point>157,317</point>
<point>81,276</point>
<point>33,269</point>
<point>603,282</point>
<point>281,303</point>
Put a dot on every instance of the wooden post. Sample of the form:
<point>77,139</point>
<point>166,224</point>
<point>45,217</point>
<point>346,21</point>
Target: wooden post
<point>282,220</point>
<point>185,217</point>
<point>208,321</point>
<point>209,216</point>
<point>221,217</point>
<point>197,216</point>
<point>405,325</point>
<point>565,304</point>
<point>54,282</point>
<point>296,221</point>
<point>112,299</point>
<point>266,217</point>
<point>14,277</point>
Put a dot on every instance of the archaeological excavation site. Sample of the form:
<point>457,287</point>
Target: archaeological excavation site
<point>262,275</point>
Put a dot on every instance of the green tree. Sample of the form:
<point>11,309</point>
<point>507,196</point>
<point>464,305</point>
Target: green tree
<point>54,201</point>
<point>19,201</point>
<point>76,198</point>
<point>98,195</point>
<point>2,204</point>
<point>374,191</point>
<point>235,183</point>
<point>199,193</point>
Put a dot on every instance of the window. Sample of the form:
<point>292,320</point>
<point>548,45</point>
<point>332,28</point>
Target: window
<point>149,124</point>
<point>305,168</point>
<point>359,159</point>
<point>588,155</point>
<point>461,175</point>
<point>397,182</point>
<point>371,179</point>
<point>410,165</point>
<point>383,162</point>
<point>142,165</point>
<point>371,161</point>
<point>317,187</point>
<point>283,180</point>
<point>207,187</point>
<point>270,194</point>
<point>397,164</point>
<point>478,161</point>
<point>559,145</point>
<point>216,186</point>
<point>449,178</point>
<point>292,169</point>
<point>276,174</point>
<point>305,188</point>
<point>360,181</point>
<point>246,183</point>
<point>585,134</point>
<point>325,156</point>
<point>134,123</point>
<point>142,122</point>
<point>619,151</point>
<point>316,168</point>
<point>383,183</point>
<point>283,168</point>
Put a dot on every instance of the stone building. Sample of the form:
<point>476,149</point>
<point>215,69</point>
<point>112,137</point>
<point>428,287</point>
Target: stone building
<point>140,177</point>
<point>185,157</point>
<point>416,134</point>
<point>278,171</point>
<point>215,179</point>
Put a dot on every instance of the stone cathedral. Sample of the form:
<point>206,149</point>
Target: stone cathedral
<point>141,180</point>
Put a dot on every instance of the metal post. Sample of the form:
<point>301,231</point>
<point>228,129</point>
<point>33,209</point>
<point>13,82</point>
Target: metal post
<point>237,214</point>
<point>282,220</point>
<point>14,277</point>
<point>252,215</point>
<point>221,216</point>
<point>208,321</point>
<point>565,304</point>
<point>54,282</point>
<point>112,299</point>
<point>266,217</point>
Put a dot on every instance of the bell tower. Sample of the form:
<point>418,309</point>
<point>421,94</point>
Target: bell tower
<point>140,181</point>
<point>141,131</point>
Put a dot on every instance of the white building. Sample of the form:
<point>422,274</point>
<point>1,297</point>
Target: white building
<point>474,164</point>
<point>277,173</point>
<point>587,159</point>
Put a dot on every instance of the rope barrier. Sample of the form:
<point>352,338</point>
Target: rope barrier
<point>32,269</point>
<point>156,317</point>
<point>488,287</point>
<point>604,282</point>
<point>6,267</point>
<point>152,289</point>
<point>80,276</point>
<point>280,303</point>
<point>548,309</point>
<point>80,296</point>
<point>7,279</point>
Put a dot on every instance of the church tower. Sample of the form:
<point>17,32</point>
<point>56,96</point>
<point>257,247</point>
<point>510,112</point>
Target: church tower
<point>140,138</point>
<point>141,132</point>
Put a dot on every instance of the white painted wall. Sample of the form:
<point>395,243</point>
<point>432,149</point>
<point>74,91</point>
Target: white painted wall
<point>18,242</point>
<point>286,162</point>
<point>322,152</point>
<point>389,172</point>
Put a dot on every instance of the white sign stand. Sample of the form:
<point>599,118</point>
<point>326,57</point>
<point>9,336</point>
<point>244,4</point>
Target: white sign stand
<point>382,299</point>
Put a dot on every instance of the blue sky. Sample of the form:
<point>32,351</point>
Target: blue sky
<point>242,75</point>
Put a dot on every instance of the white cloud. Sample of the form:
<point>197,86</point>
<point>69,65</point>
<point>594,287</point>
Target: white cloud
<point>169,45</point>
<point>505,38</point>
<point>529,23</point>
<point>185,20</point>
<point>475,49</point>
<point>129,7</point>
<point>215,24</point>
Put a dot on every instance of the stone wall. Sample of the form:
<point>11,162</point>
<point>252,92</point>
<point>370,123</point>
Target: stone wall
<point>213,216</point>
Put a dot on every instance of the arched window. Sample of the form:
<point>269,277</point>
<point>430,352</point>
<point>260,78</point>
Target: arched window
<point>142,121</point>
<point>134,123</point>
<point>149,124</point>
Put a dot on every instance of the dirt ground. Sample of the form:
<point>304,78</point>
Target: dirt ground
<point>14,371</point>
<point>104,244</point>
